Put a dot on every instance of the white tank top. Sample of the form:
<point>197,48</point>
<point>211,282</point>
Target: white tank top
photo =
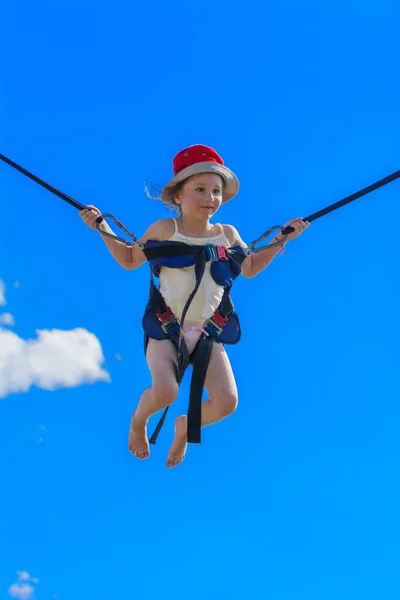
<point>176,285</point>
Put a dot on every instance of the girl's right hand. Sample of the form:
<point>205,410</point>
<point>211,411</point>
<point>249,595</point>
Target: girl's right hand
<point>89,215</point>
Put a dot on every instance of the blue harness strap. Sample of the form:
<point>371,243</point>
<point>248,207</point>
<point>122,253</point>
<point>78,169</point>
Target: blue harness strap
<point>160,323</point>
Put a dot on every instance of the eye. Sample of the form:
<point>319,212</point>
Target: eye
<point>217,191</point>
<point>200,189</point>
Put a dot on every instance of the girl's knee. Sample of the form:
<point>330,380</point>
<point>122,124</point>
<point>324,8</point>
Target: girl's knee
<point>227,403</point>
<point>164,393</point>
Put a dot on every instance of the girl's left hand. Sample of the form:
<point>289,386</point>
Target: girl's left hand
<point>298,225</point>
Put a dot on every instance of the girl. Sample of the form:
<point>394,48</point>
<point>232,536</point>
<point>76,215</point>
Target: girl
<point>201,183</point>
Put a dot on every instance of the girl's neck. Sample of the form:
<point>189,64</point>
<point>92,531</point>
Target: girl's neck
<point>193,228</point>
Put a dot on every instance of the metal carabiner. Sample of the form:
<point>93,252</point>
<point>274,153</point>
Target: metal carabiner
<point>134,241</point>
<point>252,248</point>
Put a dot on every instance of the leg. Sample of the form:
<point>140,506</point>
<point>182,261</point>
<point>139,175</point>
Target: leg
<point>161,358</point>
<point>222,401</point>
<point>221,387</point>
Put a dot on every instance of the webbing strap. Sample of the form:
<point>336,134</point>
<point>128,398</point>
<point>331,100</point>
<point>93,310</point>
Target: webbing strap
<point>200,366</point>
<point>172,250</point>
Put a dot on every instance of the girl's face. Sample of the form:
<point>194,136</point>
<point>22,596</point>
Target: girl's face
<point>201,196</point>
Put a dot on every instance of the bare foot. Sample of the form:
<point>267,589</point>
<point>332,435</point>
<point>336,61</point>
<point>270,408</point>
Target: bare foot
<point>138,443</point>
<point>177,451</point>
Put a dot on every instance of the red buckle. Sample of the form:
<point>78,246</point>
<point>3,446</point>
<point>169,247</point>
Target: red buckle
<point>221,251</point>
<point>219,319</point>
<point>165,316</point>
<point>169,322</point>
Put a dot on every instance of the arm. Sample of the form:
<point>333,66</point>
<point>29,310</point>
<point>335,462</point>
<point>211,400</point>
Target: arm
<point>255,263</point>
<point>129,257</point>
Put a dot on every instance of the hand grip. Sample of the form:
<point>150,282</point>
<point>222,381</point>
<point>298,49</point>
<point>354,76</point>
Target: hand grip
<point>287,230</point>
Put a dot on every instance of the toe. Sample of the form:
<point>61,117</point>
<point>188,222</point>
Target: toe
<point>172,462</point>
<point>144,453</point>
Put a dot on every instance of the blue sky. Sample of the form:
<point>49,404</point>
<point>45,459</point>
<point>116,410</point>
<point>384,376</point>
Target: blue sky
<point>296,495</point>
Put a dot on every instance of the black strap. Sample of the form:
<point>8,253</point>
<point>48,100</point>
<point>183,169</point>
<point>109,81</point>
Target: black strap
<point>47,186</point>
<point>157,430</point>
<point>201,361</point>
<point>172,249</point>
<point>347,200</point>
<point>226,306</point>
<point>199,272</point>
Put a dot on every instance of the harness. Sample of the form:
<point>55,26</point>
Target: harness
<point>160,323</point>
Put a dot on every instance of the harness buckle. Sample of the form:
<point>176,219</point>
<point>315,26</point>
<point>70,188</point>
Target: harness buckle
<point>221,250</point>
<point>215,253</point>
<point>169,322</point>
<point>215,324</point>
<point>211,252</point>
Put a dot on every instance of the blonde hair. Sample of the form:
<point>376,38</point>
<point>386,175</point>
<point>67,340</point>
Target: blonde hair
<point>154,192</point>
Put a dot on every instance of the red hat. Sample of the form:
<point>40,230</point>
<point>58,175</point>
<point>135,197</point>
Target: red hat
<point>200,159</point>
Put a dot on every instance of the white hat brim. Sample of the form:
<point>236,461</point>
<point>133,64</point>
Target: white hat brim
<point>231,182</point>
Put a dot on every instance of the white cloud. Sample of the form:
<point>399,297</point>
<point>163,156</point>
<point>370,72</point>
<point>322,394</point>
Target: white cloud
<point>55,359</point>
<point>7,319</point>
<point>16,284</point>
<point>118,357</point>
<point>22,591</point>
<point>2,293</point>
